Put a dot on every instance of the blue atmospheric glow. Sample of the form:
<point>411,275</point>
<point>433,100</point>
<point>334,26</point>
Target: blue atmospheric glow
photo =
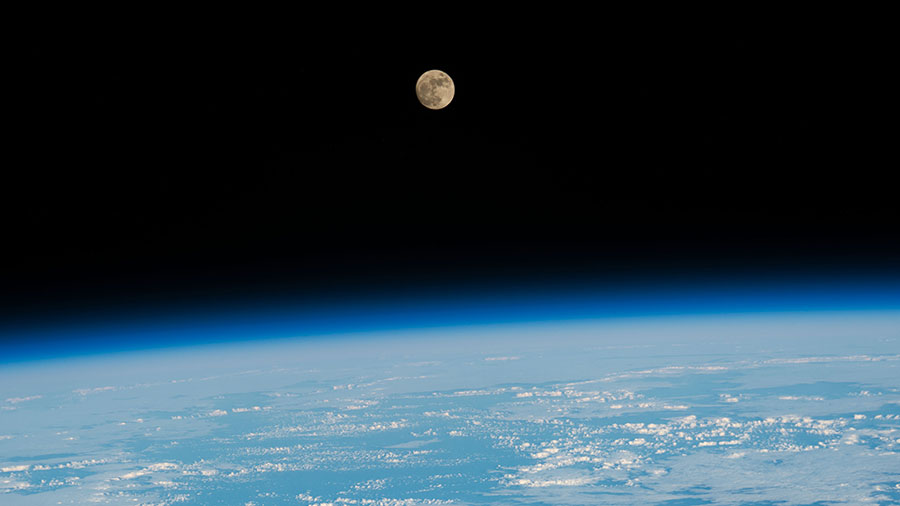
<point>282,318</point>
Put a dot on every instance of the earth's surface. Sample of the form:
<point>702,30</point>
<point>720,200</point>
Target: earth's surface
<point>767,409</point>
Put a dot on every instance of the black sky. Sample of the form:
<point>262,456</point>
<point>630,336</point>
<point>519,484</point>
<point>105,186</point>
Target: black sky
<point>189,167</point>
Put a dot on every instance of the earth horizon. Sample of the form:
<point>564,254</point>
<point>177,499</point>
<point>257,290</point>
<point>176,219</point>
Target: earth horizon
<point>766,408</point>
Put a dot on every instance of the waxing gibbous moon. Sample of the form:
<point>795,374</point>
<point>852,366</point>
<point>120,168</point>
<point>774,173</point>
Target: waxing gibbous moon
<point>435,89</point>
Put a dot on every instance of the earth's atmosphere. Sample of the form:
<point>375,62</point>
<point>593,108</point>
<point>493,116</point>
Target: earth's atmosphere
<point>764,409</point>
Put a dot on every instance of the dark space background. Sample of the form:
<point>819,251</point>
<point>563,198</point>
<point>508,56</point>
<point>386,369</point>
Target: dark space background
<point>174,170</point>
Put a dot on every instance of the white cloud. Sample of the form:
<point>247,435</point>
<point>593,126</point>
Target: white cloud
<point>85,391</point>
<point>388,425</point>
<point>470,393</point>
<point>9,485</point>
<point>824,359</point>
<point>245,410</point>
<point>161,466</point>
<point>17,400</point>
<point>559,482</point>
<point>850,439</point>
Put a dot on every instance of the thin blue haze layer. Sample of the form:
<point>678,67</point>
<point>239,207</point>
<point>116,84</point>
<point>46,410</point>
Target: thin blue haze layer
<point>273,317</point>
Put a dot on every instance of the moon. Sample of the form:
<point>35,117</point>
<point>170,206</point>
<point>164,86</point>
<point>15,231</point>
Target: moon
<point>435,89</point>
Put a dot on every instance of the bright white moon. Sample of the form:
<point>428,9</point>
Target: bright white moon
<point>435,89</point>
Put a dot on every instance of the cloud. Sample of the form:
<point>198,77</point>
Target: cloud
<point>17,400</point>
<point>414,444</point>
<point>558,482</point>
<point>85,391</point>
<point>825,359</point>
<point>161,466</point>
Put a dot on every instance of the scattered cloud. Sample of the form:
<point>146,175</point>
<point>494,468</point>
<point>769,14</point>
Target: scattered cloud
<point>17,400</point>
<point>86,391</point>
